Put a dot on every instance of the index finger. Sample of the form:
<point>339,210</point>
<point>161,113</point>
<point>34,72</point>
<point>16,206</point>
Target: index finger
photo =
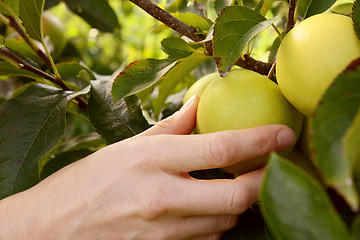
<point>185,153</point>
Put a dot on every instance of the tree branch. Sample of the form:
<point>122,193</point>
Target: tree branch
<point>257,66</point>
<point>190,32</point>
<point>15,24</point>
<point>169,20</point>
<point>291,16</point>
<point>24,65</point>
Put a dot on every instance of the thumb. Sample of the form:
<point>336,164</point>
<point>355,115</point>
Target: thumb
<point>181,122</point>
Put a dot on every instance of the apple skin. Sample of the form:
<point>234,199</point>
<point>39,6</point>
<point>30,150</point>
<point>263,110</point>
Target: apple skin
<point>199,86</point>
<point>311,56</point>
<point>244,99</point>
<point>55,30</point>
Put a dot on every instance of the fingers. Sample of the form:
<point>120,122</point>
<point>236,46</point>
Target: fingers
<point>214,150</point>
<point>181,122</point>
<point>219,197</point>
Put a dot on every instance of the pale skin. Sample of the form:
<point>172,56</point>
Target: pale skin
<point>139,188</point>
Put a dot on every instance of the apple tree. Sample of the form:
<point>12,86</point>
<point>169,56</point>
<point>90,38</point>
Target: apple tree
<point>58,105</point>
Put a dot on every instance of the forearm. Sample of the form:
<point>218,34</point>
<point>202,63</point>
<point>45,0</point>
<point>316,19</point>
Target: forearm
<point>18,219</point>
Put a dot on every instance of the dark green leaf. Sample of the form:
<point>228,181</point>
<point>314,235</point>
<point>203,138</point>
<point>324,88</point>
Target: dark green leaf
<point>114,122</point>
<point>356,228</point>
<point>138,76</point>
<point>51,3</point>
<point>250,226</point>
<point>174,76</point>
<point>31,125</point>
<point>30,14</point>
<point>233,29</point>
<point>307,8</point>
<point>62,160</point>
<point>92,141</point>
<point>333,117</point>
<point>295,206</point>
<point>355,15</point>
<point>98,13</point>
<point>9,7</point>
<point>176,48</point>
<point>75,76</point>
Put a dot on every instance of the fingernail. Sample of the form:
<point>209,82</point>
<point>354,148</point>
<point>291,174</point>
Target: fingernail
<point>188,103</point>
<point>285,138</point>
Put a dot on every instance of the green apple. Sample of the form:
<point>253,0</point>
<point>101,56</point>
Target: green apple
<point>199,86</point>
<point>311,55</point>
<point>55,30</point>
<point>244,99</point>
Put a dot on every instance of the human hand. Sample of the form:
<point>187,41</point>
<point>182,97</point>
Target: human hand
<point>140,188</point>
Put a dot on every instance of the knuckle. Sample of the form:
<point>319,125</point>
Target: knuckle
<point>238,200</point>
<point>263,145</point>
<point>218,151</point>
<point>155,206</point>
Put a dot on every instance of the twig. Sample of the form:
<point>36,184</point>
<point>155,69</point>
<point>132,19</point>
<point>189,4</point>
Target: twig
<point>190,32</point>
<point>291,16</point>
<point>15,24</point>
<point>24,65</point>
<point>169,20</point>
<point>258,66</point>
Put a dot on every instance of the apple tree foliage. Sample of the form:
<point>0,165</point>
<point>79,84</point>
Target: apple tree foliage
<point>61,110</point>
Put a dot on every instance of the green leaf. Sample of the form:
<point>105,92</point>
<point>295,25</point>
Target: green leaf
<point>333,116</point>
<point>139,75</point>
<point>351,142</point>
<point>307,8</point>
<point>344,8</point>
<point>174,76</point>
<point>295,206</point>
<point>114,122</point>
<point>355,15</point>
<point>75,75</point>
<point>31,125</point>
<point>9,7</point>
<point>201,24</point>
<point>30,14</point>
<point>7,69</point>
<point>176,48</point>
<point>22,47</point>
<point>92,141</point>
<point>233,29</point>
<point>98,13</point>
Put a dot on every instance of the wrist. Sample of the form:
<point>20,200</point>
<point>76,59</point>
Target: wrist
<point>17,218</point>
